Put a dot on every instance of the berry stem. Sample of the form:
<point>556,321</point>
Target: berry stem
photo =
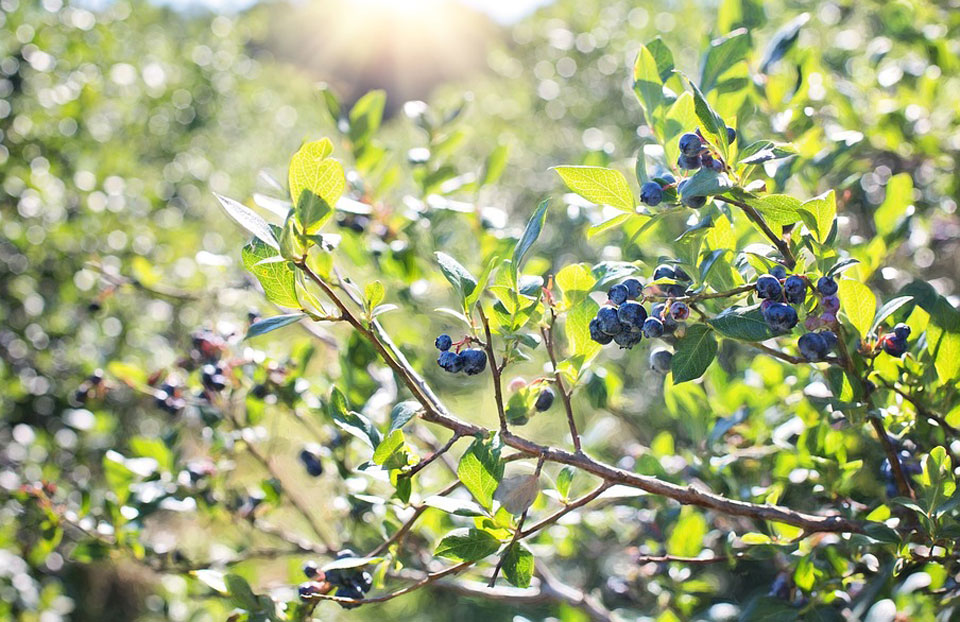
<point>495,369</point>
<point>758,220</point>
<point>547,333</point>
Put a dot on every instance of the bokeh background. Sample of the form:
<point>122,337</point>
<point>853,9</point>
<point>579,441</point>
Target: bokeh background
<point>119,120</point>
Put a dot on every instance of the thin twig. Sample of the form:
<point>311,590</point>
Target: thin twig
<point>547,334</point>
<point>402,531</point>
<point>494,369</point>
<point>758,220</point>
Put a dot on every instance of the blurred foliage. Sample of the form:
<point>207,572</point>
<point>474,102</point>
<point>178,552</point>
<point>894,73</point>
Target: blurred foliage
<point>120,280</point>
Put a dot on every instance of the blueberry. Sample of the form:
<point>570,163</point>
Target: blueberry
<point>657,310</point>
<point>690,144</point>
<point>689,163</point>
<point>731,135</point>
<point>670,179</point>
<point>830,304</point>
<point>779,271</point>
<point>827,286</point>
<point>795,289</point>
<point>652,328</point>
<point>450,361</point>
<point>681,275</point>
<point>780,317</point>
<point>651,193</point>
<point>598,335</point>
<point>609,321</point>
<point>634,288</point>
<point>768,287</point>
<point>902,331</point>
<point>830,338</point>
<point>632,313</point>
<point>674,290</point>
<point>366,581</point>
<point>308,589</point>
<point>311,460</point>
<point>715,165</point>
<point>618,294</point>
<point>660,360</point>
<point>664,272</point>
<point>893,345</point>
<point>443,343</point>
<point>812,346</point>
<point>694,202</point>
<point>544,400</point>
<point>679,311</point>
<point>474,361</point>
<point>628,338</point>
<point>215,383</point>
<point>310,569</point>
<point>828,318</point>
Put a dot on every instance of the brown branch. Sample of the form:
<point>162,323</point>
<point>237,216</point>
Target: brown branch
<point>435,412</point>
<point>729,293</point>
<point>437,453</point>
<point>566,509</point>
<point>758,220</point>
<point>402,531</point>
<point>547,334</point>
<point>494,370</point>
<point>425,581</point>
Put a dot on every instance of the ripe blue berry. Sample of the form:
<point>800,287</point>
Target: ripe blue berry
<point>660,360</point>
<point>443,343</point>
<point>618,294</point>
<point>812,346</point>
<point>779,271</point>
<point>902,331</point>
<point>694,202</point>
<point>632,313</point>
<point>893,345</point>
<point>609,321</point>
<point>308,589</point>
<point>598,335</point>
<point>780,317</point>
<point>731,135</point>
<point>674,290</point>
<point>652,328</point>
<point>450,361</point>
<point>690,144</point>
<point>768,287</point>
<point>311,461</point>
<point>795,289</point>
<point>544,400</point>
<point>680,274</point>
<point>689,163</point>
<point>474,361</point>
<point>664,272</point>
<point>310,569</point>
<point>657,310</point>
<point>634,288</point>
<point>827,286</point>
<point>628,338</point>
<point>679,311</point>
<point>830,304</point>
<point>651,193</point>
<point>670,179</point>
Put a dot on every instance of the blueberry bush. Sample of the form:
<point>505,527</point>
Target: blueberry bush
<point>695,380</point>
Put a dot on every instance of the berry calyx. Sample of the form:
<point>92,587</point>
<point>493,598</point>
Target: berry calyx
<point>679,311</point>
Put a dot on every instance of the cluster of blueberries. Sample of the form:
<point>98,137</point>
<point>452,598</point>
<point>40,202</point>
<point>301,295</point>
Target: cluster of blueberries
<point>694,154</point>
<point>625,321</point>
<point>470,361</point>
<point>349,582</point>
<point>780,291</point>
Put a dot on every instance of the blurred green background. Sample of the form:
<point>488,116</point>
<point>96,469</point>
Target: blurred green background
<point>119,120</point>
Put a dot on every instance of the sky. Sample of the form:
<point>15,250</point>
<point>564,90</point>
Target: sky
<point>503,11</point>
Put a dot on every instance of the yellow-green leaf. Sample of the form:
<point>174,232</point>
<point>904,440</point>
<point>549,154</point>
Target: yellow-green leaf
<point>858,303</point>
<point>600,185</point>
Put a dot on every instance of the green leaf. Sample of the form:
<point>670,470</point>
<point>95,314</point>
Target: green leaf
<point>351,422</point>
<point>743,323</point>
<point>214,579</point>
<point>600,185</point>
<point>575,282</point>
<point>467,545</point>
<point>712,124</point>
<point>693,354</point>
<point>530,233</point>
<point>778,209</point>
<point>494,165</point>
<point>764,151</point>
<point>858,303</point>
<point>577,331</point>
<point>516,494</point>
<point>249,220</point>
<point>889,308</point>
<point>403,413</point>
<point>518,565</point>
<point>366,115</point>
<point>564,479</point>
<point>824,210</point>
<point>686,537</point>
<point>458,507</point>
<point>240,593</point>
<point>374,292</point>
<point>769,609</point>
<point>480,469</point>
<point>662,56</point>
<point>459,277</point>
<point>277,278</point>
<point>388,446</point>
<point>895,204</point>
<point>724,53</point>
<point>706,182</point>
<point>647,83</point>
<point>266,325</point>
<point>321,178</point>
<point>474,295</point>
